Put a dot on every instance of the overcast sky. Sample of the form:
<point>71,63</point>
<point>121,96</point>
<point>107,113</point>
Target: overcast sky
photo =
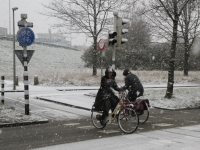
<point>41,23</point>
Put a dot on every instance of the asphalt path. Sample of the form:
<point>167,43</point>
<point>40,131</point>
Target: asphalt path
<point>68,131</point>
<point>68,125</point>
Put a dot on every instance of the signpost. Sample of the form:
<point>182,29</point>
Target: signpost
<point>20,55</point>
<point>101,45</point>
<point>25,36</point>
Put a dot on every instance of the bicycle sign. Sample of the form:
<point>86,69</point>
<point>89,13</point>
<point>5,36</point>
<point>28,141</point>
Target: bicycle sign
<point>101,44</point>
<point>25,36</point>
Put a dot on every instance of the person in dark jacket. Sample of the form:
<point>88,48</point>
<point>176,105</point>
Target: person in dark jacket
<point>106,99</point>
<point>133,85</point>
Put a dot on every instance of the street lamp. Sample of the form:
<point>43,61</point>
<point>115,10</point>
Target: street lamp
<point>14,82</point>
<point>9,23</point>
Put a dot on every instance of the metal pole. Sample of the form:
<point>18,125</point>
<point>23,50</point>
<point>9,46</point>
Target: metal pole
<point>101,63</point>
<point>113,57</point>
<point>9,22</point>
<point>26,89</point>
<point>14,72</point>
<point>115,13</point>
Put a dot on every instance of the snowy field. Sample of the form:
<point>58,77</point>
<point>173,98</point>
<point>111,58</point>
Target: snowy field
<point>63,67</point>
<point>48,63</point>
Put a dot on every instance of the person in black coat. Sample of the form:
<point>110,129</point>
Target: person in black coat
<point>106,99</point>
<point>133,85</point>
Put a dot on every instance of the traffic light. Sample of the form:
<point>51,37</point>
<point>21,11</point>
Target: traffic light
<point>119,24</point>
<point>112,38</point>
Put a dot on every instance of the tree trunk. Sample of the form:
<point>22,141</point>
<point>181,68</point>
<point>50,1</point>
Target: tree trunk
<point>186,43</point>
<point>186,57</point>
<point>95,42</point>
<point>95,57</point>
<point>170,83</point>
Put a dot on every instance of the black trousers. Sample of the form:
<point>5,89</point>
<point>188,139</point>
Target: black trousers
<point>132,96</point>
<point>110,103</point>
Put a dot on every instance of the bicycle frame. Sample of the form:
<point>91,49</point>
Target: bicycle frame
<point>123,103</point>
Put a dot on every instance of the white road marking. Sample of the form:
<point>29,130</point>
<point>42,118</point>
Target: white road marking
<point>169,118</point>
<point>193,121</point>
<point>71,124</point>
<point>86,127</point>
<point>163,124</point>
<point>108,131</point>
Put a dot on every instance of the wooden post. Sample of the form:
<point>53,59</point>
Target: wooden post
<point>36,81</point>
<point>16,80</point>
<point>2,89</point>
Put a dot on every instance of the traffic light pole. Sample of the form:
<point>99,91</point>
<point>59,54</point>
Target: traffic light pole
<point>115,13</point>
<point>113,57</point>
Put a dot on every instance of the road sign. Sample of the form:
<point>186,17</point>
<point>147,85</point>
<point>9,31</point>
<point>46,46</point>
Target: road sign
<point>25,36</point>
<point>101,44</point>
<point>20,55</point>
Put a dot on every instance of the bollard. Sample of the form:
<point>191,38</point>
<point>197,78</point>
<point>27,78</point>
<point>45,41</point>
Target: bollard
<point>2,89</point>
<point>36,82</point>
<point>16,80</point>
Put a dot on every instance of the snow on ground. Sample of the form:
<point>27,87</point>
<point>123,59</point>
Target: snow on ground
<point>64,68</point>
<point>49,63</point>
<point>8,114</point>
<point>182,98</point>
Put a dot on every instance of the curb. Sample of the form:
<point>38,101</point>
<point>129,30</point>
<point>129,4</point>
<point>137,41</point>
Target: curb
<point>14,91</point>
<point>70,105</point>
<point>148,87</point>
<point>22,123</point>
<point>175,109</point>
<point>74,89</point>
<point>90,95</point>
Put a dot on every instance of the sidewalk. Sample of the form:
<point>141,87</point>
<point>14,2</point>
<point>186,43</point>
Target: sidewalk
<point>180,138</point>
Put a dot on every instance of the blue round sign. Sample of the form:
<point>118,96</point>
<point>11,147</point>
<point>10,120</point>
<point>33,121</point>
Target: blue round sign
<point>25,36</point>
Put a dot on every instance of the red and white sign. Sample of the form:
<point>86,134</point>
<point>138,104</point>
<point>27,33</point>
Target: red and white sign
<point>101,44</point>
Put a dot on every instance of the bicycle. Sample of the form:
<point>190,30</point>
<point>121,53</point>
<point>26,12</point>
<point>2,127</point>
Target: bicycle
<point>141,106</point>
<point>124,113</point>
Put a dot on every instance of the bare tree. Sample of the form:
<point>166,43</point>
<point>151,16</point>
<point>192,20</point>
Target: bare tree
<point>189,23</point>
<point>165,15</point>
<point>86,16</point>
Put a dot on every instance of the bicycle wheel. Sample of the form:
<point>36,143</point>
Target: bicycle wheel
<point>128,120</point>
<point>95,121</point>
<point>145,115</point>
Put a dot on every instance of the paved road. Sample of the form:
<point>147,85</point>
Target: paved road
<point>69,125</point>
<point>67,130</point>
<point>180,138</point>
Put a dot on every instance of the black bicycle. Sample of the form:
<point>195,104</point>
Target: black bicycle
<point>124,113</point>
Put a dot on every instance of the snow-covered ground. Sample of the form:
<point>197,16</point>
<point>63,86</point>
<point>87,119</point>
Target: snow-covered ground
<point>62,68</point>
<point>9,114</point>
<point>49,63</point>
<point>183,98</point>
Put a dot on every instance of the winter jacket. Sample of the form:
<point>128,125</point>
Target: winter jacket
<point>133,84</point>
<point>105,92</point>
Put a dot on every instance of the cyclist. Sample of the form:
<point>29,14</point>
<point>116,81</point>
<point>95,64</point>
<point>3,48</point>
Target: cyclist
<point>106,98</point>
<point>133,85</point>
